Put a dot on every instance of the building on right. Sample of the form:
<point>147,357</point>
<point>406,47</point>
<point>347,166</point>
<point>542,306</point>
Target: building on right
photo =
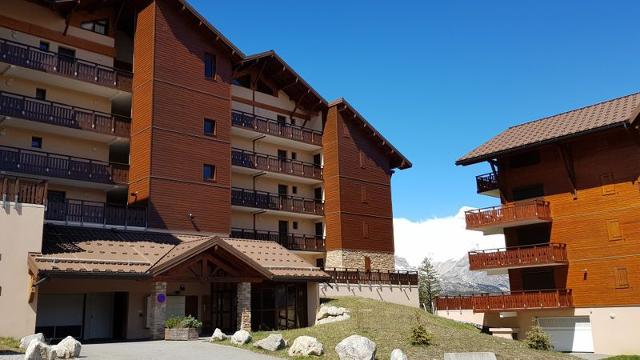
<point>569,193</point>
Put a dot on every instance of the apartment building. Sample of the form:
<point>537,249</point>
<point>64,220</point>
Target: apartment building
<point>568,207</point>
<point>150,168</point>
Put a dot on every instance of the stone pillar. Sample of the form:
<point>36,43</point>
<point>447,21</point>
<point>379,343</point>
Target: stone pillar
<point>158,309</point>
<point>243,307</point>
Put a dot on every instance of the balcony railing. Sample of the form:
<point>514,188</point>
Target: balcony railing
<point>264,162</point>
<point>34,58</point>
<point>62,166</point>
<point>518,213</point>
<point>95,213</point>
<point>508,301</point>
<point>273,127</point>
<point>50,112</point>
<point>356,276</point>
<point>300,242</point>
<point>23,190</point>
<point>270,201</point>
<point>487,182</point>
<point>518,256</point>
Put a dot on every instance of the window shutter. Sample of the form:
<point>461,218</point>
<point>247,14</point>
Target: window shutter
<point>608,186</point>
<point>622,281</point>
<point>365,230</point>
<point>613,229</point>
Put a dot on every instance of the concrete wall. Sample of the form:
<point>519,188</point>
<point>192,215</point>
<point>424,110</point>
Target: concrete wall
<point>313,301</point>
<point>396,294</point>
<point>21,233</point>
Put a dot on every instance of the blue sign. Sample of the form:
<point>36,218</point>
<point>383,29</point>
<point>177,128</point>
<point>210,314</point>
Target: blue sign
<point>161,298</point>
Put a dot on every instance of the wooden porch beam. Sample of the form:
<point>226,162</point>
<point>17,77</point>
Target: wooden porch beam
<point>567,160</point>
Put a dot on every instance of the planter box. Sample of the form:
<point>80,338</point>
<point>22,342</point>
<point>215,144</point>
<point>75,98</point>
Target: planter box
<point>181,334</point>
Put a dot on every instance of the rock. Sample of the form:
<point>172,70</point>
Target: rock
<point>218,335</point>
<point>331,319</point>
<point>272,342</point>
<point>305,346</point>
<point>25,341</point>
<point>356,347</point>
<point>397,354</point>
<point>241,337</point>
<point>38,350</point>
<point>68,348</point>
<point>328,311</point>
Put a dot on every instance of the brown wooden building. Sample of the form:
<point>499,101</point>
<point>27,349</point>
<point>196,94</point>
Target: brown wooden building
<point>132,132</point>
<point>569,204</point>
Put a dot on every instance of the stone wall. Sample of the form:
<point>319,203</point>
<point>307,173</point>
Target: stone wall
<point>244,306</point>
<point>355,259</point>
<point>159,309</point>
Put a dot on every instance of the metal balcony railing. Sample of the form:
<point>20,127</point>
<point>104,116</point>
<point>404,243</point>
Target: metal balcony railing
<point>273,127</point>
<point>302,242</point>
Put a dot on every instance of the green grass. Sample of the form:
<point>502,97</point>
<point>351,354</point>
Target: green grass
<point>390,326</point>
<point>8,345</point>
<point>624,357</point>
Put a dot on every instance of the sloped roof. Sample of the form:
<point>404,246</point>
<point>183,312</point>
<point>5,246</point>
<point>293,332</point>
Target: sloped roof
<point>600,116</point>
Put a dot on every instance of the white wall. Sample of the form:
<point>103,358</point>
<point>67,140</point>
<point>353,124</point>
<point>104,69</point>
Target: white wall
<point>396,294</point>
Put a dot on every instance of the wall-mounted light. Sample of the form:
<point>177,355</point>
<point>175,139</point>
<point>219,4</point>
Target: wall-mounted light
<point>584,274</point>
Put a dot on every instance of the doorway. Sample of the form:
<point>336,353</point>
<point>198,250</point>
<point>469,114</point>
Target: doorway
<point>56,205</point>
<point>99,316</point>
<point>283,232</point>
<point>538,279</point>
<point>223,307</point>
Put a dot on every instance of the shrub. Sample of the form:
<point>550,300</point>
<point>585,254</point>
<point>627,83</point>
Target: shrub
<point>419,334</point>
<point>537,338</point>
<point>182,322</point>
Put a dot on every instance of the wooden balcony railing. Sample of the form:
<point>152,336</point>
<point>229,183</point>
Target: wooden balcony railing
<point>524,212</point>
<point>264,162</point>
<point>356,276</point>
<point>95,213</point>
<point>62,166</point>
<point>300,242</point>
<point>273,127</point>
<point>23,190</point>
<point>518,256</point>
<point>34,58</point>
<point>487,182</point>
<point>49,112</point>
<point>271,201</point>
<point>508,301</point>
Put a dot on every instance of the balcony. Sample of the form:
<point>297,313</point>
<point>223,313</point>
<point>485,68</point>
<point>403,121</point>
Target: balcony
<point>300,242</point>
<point>492,220</point>
<point>50,165</point>
<point>275,129</point>
<point>49,112</point>
<point>519,257</point>
<point>276,203</point>
<point>26,56</point>
<point>487,184</point>
<point>376,277</point>
<point>509,301</point>
<point>22,191</point>
<point>80,212</point>
<point>273,164</point>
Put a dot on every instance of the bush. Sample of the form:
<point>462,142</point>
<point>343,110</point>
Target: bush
<point>419,334</point>
<point>182,322</point>
<point>538,339</point>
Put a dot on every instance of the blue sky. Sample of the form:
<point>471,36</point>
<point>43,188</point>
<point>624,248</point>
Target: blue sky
<point>439,78</point>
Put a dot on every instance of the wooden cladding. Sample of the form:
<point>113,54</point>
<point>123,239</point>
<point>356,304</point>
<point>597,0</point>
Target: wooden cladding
<point>509,301</point>
<point>520,256</point>
<point>608,184</point>
<point>514,214</point>
<point>22,190</point>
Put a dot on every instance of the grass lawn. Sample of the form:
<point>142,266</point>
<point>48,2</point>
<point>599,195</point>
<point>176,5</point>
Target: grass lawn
<point>9,345</point>
<point>624,357</point>
<point>390,325</point>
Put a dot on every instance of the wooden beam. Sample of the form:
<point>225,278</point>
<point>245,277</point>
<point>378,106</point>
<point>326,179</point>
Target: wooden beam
<point>567,159</point>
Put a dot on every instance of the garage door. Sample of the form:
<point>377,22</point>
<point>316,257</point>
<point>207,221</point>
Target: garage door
<point>569,333</point>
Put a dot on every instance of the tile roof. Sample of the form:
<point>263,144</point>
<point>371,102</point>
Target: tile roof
<point>595,117</point>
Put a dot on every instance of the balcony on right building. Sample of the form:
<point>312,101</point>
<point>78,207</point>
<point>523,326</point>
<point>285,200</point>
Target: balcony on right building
<point>527,256</point>
<point>492,220</point>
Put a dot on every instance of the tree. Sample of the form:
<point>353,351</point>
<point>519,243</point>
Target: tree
<point>428,284</point>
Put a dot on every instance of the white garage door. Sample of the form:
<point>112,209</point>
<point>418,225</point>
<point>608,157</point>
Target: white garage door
<point>569,333</point>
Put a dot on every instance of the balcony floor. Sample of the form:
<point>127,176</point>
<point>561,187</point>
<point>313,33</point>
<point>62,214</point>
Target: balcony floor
<point>62,130</point>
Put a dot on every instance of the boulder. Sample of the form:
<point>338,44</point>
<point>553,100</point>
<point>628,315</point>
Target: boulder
<point>272,342</point>
<point>68,348</point>
<point>328,311</point>
<point>397,354</point>
<point>218,335</point>
<point>25,341</point>
<point>241,337</point>
<point>356,347</point>
<point>38,350</point>
<point>305,346</point>
<point>331,319</point>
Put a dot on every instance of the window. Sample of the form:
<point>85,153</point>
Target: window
<point>527,192</point>
<point>100,26</point>
<point>282,120</point>
<point>320,263</point>
<point>365,230</point>
<point>208,172</point>
<point>209,66</point>
<point>294,156</point>
<point>36,142</point>
<point>293,121</point>
<point>363,193</point>
<point>41,94</point>
<point>294,189</point>
<point>622,281</point>
<point>317,194</point>
<point>608,185</point>
<point>317,159</point>
<point>209,127</point>
<point>67,53</point>
<point>525,159</point>
<point>44,46</point>
<point>295,225</point>
<point>613,229</point>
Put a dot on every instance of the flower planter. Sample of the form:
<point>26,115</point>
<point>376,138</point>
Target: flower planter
<point>180,334</point>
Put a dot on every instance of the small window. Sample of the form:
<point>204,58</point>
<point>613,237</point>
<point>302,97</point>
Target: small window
<point>528,192</point>
<point>41,94</point>
<point>209,127</point>
<point>608,185</point>
<point>363,159</point>
<point>295,225</point>
<point>622,280</point>
<point>363,193</point>
<point>97,26</point>
<point>294,189</point>
<point>525,159</point>
<point>44,46</point>
<point>320,263</point>
<point>209,172</point>
<point>317,159</point>
<point>613,230</point>
<point>365,230</point>
<point>209,65</point>
<point>317,194</point>
<point>294,156</point>
<point>36,142</point>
